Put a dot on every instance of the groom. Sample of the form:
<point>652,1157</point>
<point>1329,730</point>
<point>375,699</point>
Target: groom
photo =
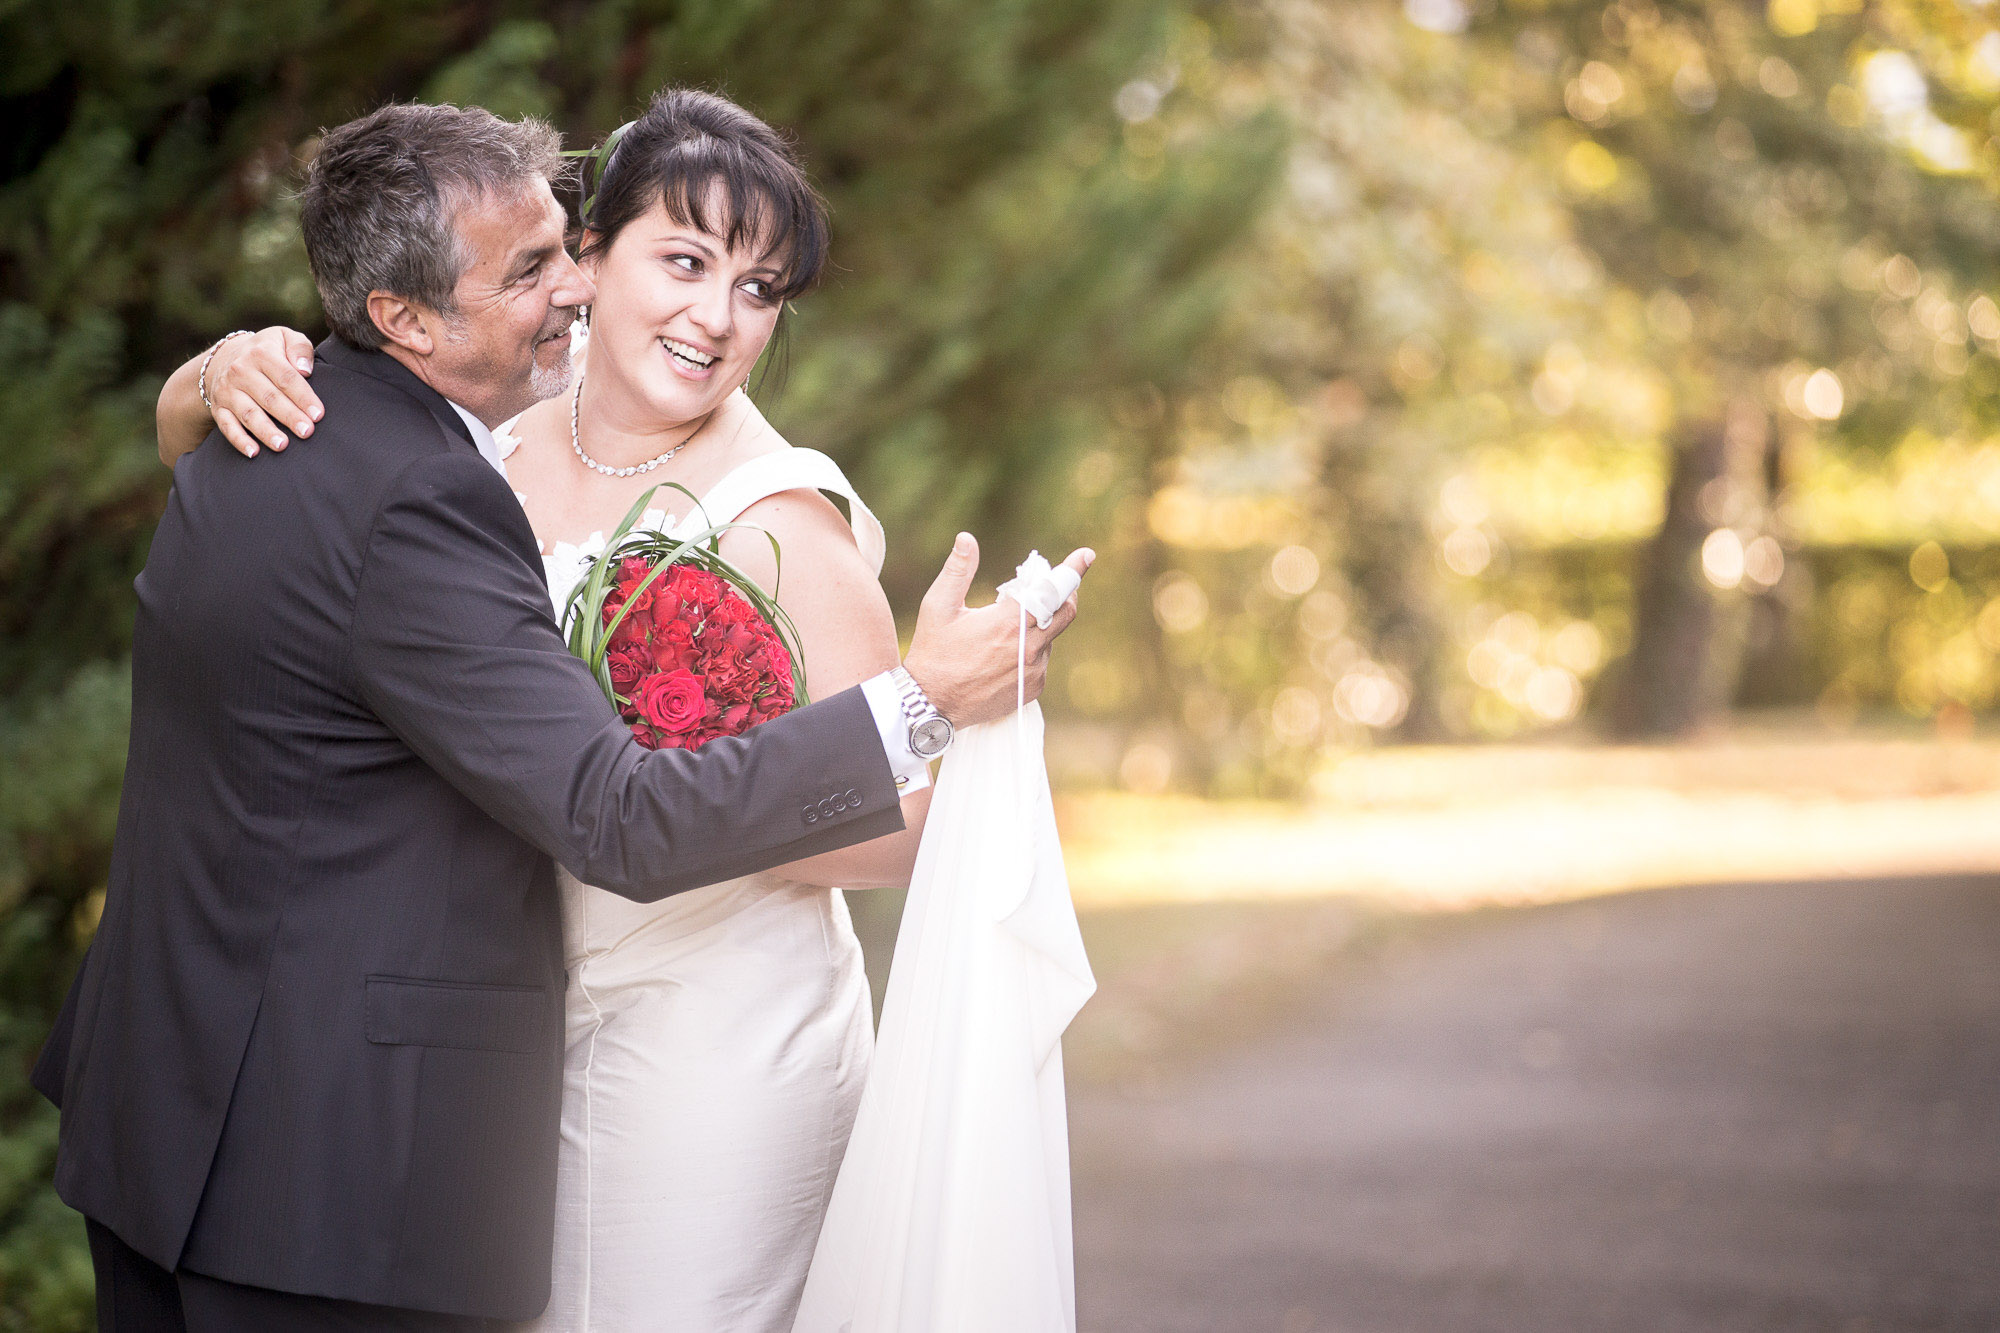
<point>309,1071</point>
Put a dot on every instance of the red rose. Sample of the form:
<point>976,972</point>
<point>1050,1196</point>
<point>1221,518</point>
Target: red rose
<point>730,676</point>
<point>628,663</point>
<point>672,701</point>
<point>673,646</point>
<point>695,589</point>
<point>774,663</point>
<point>631,573</point>
<point>733,610</point>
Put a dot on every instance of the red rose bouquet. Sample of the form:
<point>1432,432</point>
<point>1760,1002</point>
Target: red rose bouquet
<point>685,645</point>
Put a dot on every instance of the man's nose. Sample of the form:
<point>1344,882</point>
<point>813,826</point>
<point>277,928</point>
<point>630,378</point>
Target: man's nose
<point>571,286</point>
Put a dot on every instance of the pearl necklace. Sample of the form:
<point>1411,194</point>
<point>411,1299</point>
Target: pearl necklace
<point>576,443</point>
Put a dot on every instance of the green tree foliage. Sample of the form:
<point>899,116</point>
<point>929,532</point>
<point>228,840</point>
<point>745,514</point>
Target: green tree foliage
<point>1535,253</point>
<point>1007,266</point>
<point>1729,165</point>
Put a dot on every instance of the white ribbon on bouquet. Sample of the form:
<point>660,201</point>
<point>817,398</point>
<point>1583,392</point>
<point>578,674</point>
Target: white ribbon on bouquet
<point>951,1213</point>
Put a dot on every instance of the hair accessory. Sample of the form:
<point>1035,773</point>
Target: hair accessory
<point>596,161</point>
<point>201,380</point>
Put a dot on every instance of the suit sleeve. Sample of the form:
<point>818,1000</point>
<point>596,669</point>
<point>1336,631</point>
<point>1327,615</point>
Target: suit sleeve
<point>454,648</point>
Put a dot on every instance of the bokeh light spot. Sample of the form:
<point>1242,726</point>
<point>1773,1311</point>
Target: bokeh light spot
<point>1590,166</point>
<point>1147,768</point>
<point>1179,604</point>
<point>1764,562</point>
<point>1823,395</point>
<point>1794,18</point>
<point>1294,571</point>
<point>1930,567</point>
<point>1722,558</point>
<point>1295,715</point>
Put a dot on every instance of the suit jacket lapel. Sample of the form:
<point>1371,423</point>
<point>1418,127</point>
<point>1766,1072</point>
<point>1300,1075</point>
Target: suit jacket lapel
<point>386,368</point>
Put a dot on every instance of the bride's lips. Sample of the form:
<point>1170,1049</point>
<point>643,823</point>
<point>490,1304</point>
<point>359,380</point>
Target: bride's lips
<point>686,370</point>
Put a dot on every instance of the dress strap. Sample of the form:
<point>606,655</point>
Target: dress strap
<point>788,469</point>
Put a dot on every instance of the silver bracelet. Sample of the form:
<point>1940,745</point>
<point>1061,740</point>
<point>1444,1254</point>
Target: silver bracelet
<point>201,380</point>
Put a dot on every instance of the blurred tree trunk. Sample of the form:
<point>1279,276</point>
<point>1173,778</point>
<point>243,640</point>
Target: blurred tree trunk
<point>1698,642</point>
<point>1667,686</point>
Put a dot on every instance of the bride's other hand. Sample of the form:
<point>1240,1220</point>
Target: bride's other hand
<point>966,659</point>
<point>256,382</point>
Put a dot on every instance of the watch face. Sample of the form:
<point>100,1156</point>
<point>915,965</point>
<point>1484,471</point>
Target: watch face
<point>930,737</point>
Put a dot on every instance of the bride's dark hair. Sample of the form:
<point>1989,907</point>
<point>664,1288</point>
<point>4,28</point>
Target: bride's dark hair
<point>700,153</point>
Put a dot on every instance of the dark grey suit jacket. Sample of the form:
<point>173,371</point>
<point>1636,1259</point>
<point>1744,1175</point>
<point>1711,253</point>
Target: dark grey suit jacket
<point>317,1042</point>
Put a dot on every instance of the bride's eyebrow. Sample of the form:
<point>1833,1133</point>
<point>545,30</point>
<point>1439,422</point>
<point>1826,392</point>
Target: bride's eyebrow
<point>690,239</point>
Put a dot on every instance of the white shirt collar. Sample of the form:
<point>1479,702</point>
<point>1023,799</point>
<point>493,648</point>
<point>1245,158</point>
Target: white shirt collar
<point>482,438</point>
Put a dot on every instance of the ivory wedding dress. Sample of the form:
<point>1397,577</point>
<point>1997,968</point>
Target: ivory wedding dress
<point>952,1210</point>
<point>718,1043</point>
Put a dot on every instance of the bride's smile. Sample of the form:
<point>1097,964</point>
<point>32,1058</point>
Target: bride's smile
<point>689,360</point>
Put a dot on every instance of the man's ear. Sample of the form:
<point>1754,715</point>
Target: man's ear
<point>403,323</point>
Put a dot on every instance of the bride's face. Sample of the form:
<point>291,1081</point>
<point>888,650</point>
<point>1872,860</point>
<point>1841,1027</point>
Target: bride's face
<point>680,318</point>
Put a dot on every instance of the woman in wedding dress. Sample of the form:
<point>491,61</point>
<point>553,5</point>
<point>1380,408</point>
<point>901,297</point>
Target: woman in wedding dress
<point>718,1040</point>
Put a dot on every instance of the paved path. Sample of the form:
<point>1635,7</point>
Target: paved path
<point>1736,1108</point>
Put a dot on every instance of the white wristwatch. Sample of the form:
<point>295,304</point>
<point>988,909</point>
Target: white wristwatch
<point>930,730</point>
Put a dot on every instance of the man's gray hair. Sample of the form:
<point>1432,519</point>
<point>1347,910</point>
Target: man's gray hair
<point>381,194</point>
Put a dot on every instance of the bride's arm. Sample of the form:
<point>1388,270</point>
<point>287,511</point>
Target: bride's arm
<point>255,381</point>
<point>848,635</point>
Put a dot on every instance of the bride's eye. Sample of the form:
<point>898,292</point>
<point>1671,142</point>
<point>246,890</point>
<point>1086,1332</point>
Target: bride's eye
<point>686,263</point>
<point>758,288</point>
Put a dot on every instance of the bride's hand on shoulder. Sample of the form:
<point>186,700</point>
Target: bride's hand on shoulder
<point>257,394</point>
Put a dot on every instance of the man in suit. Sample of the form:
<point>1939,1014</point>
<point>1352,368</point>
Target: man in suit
<point>309,1072</point>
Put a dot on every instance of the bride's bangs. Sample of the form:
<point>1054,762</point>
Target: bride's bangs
<point>748,200</point>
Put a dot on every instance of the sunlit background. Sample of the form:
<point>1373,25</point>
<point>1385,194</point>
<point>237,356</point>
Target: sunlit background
<point>1536,449</point>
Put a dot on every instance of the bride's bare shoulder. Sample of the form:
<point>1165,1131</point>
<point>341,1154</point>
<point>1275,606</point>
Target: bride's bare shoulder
<point>544,421</point>
<point>816,538</point>
<point>531,440</point>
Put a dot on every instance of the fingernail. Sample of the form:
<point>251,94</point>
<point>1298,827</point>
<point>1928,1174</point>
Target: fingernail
<point>278,442</point>
<point>253,452</point>
<point>1089,557</point>
<point>304,428</point>
<point>304,364</point>
<point>318,412</point>
<point>962,544</point>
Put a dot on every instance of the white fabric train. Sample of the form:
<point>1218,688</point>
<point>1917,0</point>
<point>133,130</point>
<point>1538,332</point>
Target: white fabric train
<point>951,1213</point>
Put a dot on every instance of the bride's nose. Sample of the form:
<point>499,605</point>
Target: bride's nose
<point>713,312</point>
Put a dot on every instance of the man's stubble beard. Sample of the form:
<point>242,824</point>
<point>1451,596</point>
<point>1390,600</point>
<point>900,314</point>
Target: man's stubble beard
<point>545,382</point>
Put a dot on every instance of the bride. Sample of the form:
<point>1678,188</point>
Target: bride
<point>718,1040</point>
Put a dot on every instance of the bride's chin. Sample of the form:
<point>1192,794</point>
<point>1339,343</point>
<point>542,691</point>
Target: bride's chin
<point>683,402</point>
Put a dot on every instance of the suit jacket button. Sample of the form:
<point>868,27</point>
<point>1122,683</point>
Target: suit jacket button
<point>854,798</point>
<point>811,816</point>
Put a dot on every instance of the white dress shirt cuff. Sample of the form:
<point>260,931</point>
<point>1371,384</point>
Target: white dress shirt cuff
<point>912,772</point>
